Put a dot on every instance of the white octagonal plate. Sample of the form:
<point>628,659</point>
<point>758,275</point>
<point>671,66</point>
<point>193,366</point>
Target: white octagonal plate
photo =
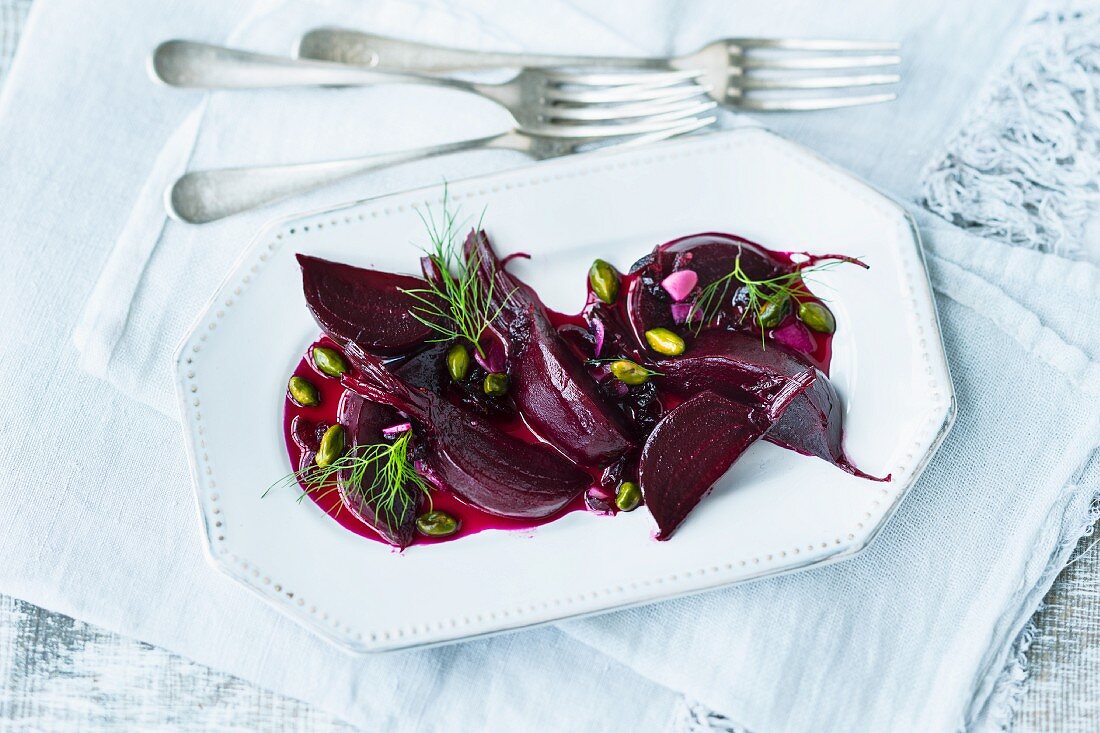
<point>774,511</point>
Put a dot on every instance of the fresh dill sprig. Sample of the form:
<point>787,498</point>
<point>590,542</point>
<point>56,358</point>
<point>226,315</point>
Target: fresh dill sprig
<point>391,492</point>
<point>759,293</point>
<point>455,304</point>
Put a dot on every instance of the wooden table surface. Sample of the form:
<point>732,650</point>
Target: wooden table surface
<point>57,674</point>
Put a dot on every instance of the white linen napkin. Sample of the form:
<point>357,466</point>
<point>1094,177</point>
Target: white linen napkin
<point>96,519</point>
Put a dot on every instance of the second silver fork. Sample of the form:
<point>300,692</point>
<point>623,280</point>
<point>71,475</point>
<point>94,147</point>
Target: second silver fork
<point>204,196</point>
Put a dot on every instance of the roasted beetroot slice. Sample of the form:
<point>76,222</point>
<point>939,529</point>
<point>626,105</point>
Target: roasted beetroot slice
<point>689,450</point>
<point>712,255</point>
<point>488,468</point>
<point>647,307</point>
<point>550,386</point>
<point>736,366</point>
<point>363,421</point>
<point>367,307</point>
<point>426,370</point>
<point>813,425</point>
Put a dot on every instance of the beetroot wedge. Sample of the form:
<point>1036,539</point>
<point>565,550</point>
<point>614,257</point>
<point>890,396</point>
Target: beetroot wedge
<point>690,449</point>
<point>367,307</point>
<point>363,422</point>
<point>735,365</point>
<point>484,466</point>
<point>800,398</point>
<point>551,388</point>
<point>813,425</point>
<point>712,255</point>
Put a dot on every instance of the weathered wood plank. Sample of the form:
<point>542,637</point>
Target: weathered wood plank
<point>1063,689</point>
<point>57,674</point>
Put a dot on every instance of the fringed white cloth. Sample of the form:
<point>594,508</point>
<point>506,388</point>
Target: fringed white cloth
<point>1025,167</point>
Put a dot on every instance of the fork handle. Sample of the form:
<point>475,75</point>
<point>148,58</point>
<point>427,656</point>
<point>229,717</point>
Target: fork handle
<point>203,196</point>
<point>196,65</point>
<point>381,52</point>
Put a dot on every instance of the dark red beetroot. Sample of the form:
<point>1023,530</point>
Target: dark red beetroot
<point>363,306</point>
<point>363,421</point>
<point>690,449</point>
<point>551,388</point>
<point>735,365</point>
<point>710,255</point>
<point>426,370</point>
<point>813,425</point>
<point>484,466</point>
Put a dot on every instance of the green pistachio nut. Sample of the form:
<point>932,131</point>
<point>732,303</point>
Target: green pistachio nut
<point>604,279</point>
<point>665,341</point>
<point>628,372</point>
<point>302,392</point>
<point>332,447</point>
<point>628,497</point>
<point>495,384</point>
<point>817,317</point>
<point>458,362</point>
<point>773,312</point>
<point>437,524</point>
<point>329,361</point>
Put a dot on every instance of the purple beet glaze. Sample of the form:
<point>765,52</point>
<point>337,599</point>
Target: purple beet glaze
<point>690,449</point>
<point>363,422</point>
<point>485,466</point>
<point>367,307</point>
<point>550,386</point>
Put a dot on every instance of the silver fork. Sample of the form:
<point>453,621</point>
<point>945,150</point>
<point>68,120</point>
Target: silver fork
<point>204,196</point>
<point>747,73</point>
<point>537,98</point>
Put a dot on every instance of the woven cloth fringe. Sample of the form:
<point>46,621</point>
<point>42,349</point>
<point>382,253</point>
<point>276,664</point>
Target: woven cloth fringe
<point>1025,166</point>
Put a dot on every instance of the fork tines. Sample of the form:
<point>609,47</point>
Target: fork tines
<point>784,74</point>
<point>577,103</point>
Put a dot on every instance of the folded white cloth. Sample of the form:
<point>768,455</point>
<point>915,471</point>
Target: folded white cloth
<point>96,516</point>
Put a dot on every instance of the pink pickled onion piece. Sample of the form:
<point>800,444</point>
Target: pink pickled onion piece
<point>597,327</point>
<point>493,361</point>
<point>794,335</point>
<point>680,312</point>
<point>397,429</point>
<point>599,501</point>
<point>680,284</point>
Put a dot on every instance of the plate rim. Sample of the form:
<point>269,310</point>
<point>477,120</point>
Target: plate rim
<point>342,636</point>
